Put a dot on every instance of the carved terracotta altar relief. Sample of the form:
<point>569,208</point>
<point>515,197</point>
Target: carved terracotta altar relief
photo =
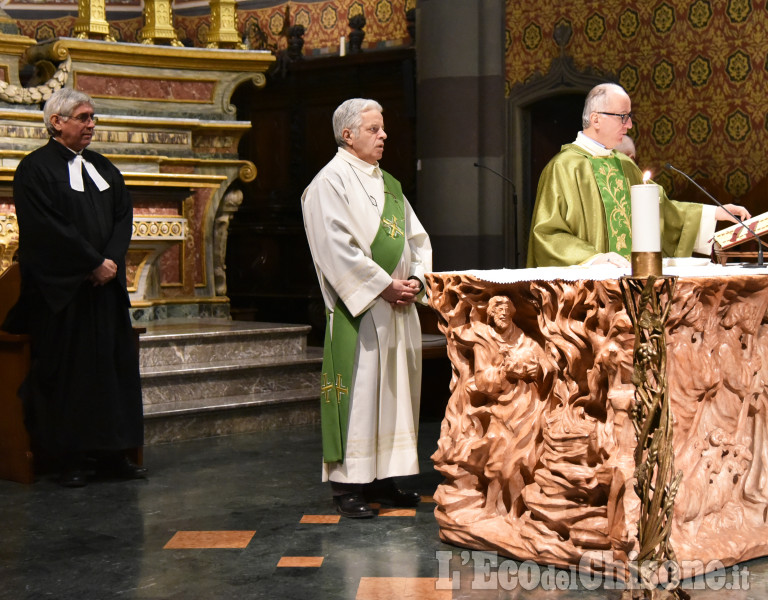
<point>537,441</point>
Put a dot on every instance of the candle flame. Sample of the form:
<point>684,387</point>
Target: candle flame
<point>646,176</point>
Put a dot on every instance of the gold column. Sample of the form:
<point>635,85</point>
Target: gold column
<point>91,23</point>
<point>158,23</point>
<point>223,31</point>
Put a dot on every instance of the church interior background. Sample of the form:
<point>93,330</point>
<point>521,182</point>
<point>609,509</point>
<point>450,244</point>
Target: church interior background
<point>219,134</point>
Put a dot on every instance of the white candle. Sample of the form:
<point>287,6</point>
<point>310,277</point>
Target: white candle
<point>342,46</point>
<point>646,224</point>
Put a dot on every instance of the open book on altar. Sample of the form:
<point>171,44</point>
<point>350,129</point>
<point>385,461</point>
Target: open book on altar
<point>736,233</point>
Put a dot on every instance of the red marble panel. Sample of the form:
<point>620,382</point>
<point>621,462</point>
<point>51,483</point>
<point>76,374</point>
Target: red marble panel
<point>155,206</point>
<point>143,88</point>
<point>169,266</point>
<point>155,210</point>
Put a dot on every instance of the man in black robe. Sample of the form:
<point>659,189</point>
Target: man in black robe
<point>82,396</point>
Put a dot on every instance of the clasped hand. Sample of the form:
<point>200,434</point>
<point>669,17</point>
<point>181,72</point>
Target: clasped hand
<point>611,258</point>
<point>104,273</point>
<point>401,292</point>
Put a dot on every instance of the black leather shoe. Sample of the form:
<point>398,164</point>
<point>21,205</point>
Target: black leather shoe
<point>392,496</point>
<point>73,478</point>
<point>353,506</point>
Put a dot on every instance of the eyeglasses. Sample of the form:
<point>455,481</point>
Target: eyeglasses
<point>623,116</point>
<point>82,117</point>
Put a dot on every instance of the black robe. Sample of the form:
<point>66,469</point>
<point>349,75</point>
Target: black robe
<point>83,391</point>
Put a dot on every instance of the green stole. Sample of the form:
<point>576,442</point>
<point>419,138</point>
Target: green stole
<point>341,343</point>
<point>614,192</point>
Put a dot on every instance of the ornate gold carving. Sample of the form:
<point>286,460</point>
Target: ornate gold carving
<point>91,21</point>
<point>200,60</point>
<point>223,31</point>
<point>158,23</point>
<point>15,94</point>
<point>9,240</point>
<point>152,236</point>
<point>159,228</point>
<point>259,80</point>
<point>248,172</point>
<point>15,44</point>
<point>184,180</point>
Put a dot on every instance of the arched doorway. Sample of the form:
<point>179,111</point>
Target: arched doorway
<point>544,114</point>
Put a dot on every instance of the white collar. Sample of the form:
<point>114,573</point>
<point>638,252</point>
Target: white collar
<point>594,147</point>
<point>359,163</point>
<point>75,165</point>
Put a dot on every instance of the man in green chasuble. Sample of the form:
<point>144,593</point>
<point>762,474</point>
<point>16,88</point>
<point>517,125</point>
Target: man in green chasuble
<point>370,254</point>
<point>582,213</point>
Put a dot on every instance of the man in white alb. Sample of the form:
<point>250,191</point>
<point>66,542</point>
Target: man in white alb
<point>370,253</point>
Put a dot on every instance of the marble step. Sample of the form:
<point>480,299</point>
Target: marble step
<point>219,377</point>
<point>186,342</point>
<point>231,415</point>
<point>215,379</point>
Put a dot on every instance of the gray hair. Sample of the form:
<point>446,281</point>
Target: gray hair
<point>63,102</point>
<point>597,99</point>
<point>626,146</point>
<point>349,116</point>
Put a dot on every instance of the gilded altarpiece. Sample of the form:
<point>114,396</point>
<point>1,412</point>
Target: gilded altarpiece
<point>166,122</point>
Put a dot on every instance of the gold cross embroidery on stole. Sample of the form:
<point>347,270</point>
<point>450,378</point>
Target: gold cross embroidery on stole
<point>392,226</point>
<point>340,389</point>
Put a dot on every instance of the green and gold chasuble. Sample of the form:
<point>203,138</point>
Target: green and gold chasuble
<point>341,339</point>
<point>583,209</point>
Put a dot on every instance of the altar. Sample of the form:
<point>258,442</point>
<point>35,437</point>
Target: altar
<point>537,441</point>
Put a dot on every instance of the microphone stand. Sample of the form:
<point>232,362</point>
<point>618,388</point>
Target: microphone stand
<point>759,263</point>
<point>514,206</point>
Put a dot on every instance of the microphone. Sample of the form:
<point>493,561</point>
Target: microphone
<point>507,179</point>
<point>737,219</point>
<point>514,203</point>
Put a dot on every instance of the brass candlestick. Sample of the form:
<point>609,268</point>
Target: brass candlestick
<point>646,264</point>
<point>648,302</point>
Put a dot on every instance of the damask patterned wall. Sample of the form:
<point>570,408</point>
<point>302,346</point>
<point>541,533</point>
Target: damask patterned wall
<point>697,72</point>
<point>325,22</point>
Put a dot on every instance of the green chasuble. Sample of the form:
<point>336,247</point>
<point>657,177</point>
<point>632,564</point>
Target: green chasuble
<point>341,339</point>
<point>569,224</point>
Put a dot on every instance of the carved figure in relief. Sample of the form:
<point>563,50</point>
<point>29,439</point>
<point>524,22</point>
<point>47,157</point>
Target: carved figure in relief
<point>505,365</point>
<point>503,354</point>
<point>713,482</point>
<point>756,480</point>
